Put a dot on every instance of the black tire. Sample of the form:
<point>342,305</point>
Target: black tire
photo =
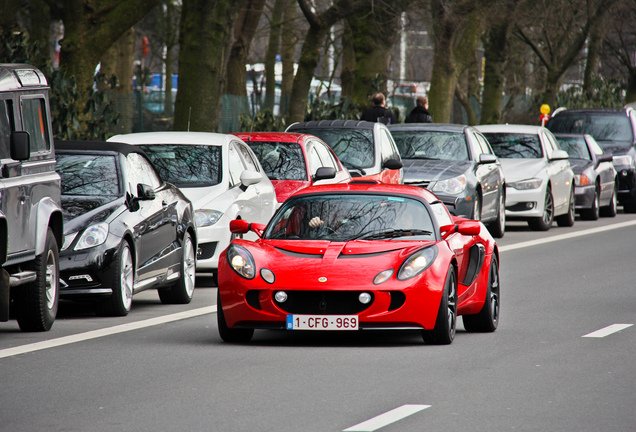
<point>544,222</point>
<point>120,301</point>
<point>593,212</point>
<point>567,219</point>
<point>610,210</point>
<point>37,302</point>
<point>498,227</point>
<point>183,290</point>
<point>228,334</point>
<point>487,319</point>
<point>446,323</point>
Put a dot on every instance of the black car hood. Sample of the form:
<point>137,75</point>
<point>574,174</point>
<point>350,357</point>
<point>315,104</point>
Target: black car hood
<point>579,165</point>
<point>80,212</point>
<point>433,170</point>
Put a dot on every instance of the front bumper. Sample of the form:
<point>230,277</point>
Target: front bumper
<point>584,197</point>
<point>524,204</point>
<point>625,183</point>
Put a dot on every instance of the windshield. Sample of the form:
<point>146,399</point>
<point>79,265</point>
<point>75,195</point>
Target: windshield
<point>186,165</point>
<point>88,175</point>
<point>281,160</point>
<point>602,127</point>
<point>515,145</point>
<point>431,145</point>
<point>350,217</point>
<point>354,147</point>
<point>575,147</point>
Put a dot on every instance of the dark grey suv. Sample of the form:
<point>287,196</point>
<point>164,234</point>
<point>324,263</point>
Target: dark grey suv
<point>30,208</point>
<point>615,131</point>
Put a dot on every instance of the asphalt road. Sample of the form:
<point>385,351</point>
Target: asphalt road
<point>164,368</point>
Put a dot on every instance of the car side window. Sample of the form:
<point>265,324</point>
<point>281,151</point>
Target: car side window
<point>441,214</point>
<point>550,144</point>
<point>6,115</point>
<point>313,159</point>
<point>235,165</point>
<point>483,144</point>
<point>34,121</point>
<point>475,148</point>
<point>387,151</point>
<point>249,161</point>
<point>141,171</point>
<point>325,155</point>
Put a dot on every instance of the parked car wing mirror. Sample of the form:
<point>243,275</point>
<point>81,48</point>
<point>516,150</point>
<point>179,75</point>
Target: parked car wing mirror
<point>486,158</point>
<point>559,155</point>
<point>392,164</point>
<point>324,173</point>
<point>604,158</point>
<point>249,177</point>
<point>145,192</point>
<point>19,145</point>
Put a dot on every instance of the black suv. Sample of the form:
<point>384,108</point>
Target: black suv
<point>30,206</point>
<point>615,131</point>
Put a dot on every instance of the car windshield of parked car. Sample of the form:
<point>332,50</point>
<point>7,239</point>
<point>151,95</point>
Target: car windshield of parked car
<point>603,127</point>
<point>354,147</point>
<point>338,217</point>
<point>515,145</point>
<point>281,160</point>
<point>186,165</point>
<point>88,175</point>
<point>576,147</point>
<point>431,145</point>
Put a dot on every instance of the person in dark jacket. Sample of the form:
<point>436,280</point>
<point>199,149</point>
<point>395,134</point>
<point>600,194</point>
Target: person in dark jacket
<point>378,113</point>
<point>420,113</point>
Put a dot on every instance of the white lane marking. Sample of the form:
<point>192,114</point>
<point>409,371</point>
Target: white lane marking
<point>606,331</point>
<point>566,236</point>
<point>387,418</point>
<point>94,334</point>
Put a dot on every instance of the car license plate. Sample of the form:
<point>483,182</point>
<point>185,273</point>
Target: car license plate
<point>322,322</point>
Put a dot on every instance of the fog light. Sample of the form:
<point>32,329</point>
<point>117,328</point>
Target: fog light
<point>624,173</point>
<point>530,205</point>
<point>280,296</point>
<point>364,298</point>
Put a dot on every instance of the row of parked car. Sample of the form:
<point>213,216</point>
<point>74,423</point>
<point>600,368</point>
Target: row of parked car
<point>150,210</point>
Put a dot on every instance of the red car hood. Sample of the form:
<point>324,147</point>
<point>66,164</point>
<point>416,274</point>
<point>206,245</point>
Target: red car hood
<point>285,188</point>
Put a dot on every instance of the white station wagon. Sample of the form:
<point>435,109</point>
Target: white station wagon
<point>222,177</point>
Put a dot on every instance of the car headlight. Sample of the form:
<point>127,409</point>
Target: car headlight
<point>241,261</point>
<point>93,236</point>
<point>453,186</point>
<point>533,183</point>
<point>417,263</point>
<point>623,160</point>
<point>204,218</point>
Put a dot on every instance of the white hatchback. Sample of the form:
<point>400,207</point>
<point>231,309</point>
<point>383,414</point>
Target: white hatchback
<point>539,179</point>
<point>222,177</point>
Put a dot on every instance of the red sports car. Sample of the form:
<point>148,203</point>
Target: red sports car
<point>294,161</point>
<point>360,256</point>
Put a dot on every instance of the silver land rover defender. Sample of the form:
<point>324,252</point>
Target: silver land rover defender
<point>30,210</point>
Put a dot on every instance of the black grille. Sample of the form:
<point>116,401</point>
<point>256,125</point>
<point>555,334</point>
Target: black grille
<point>324,302</point>
<point>397,300</point>
<point>206,250</point>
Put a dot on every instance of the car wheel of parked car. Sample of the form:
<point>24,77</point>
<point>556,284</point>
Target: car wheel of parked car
<point>544,222</point>
<point>226,333</point>
<point>37,302</point>
<point>446,323</point>
<point>477,207</point>
<point>498,227</point>
<point>567,219</point>
<point>183,290</point>
<point>487,319</point>
<point>610,210</point>
<point>593,212</point>
<point>120,301</point>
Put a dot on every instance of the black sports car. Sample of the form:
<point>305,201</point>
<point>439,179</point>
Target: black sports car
<point>125,229</point>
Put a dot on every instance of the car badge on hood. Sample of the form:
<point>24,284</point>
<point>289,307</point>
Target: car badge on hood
<point>322,279</point>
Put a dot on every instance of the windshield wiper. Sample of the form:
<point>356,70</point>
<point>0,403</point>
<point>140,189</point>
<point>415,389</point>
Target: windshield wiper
<point>391,234</point>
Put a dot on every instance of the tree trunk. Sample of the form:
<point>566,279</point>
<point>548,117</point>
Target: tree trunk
<point>205,36</point>
<point>348,70</point>
<point>40,32</point>
<point>495,53</point>
<point>273,48</point>
<point>118,61</point>
<point>592,63</point>
<point>630,95</point>
<point>288,50</point>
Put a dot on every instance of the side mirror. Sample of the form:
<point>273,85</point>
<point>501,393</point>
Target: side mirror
<point>469,227</point>
<point>486,158</point>
<point>249,177</point>
<point>240,226</point>
<point>324,173</point>
<point>604,158</point>
<point>19,145</point>
<point>392,164</point>
<point>559,155</point>
<point>145,192</point>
